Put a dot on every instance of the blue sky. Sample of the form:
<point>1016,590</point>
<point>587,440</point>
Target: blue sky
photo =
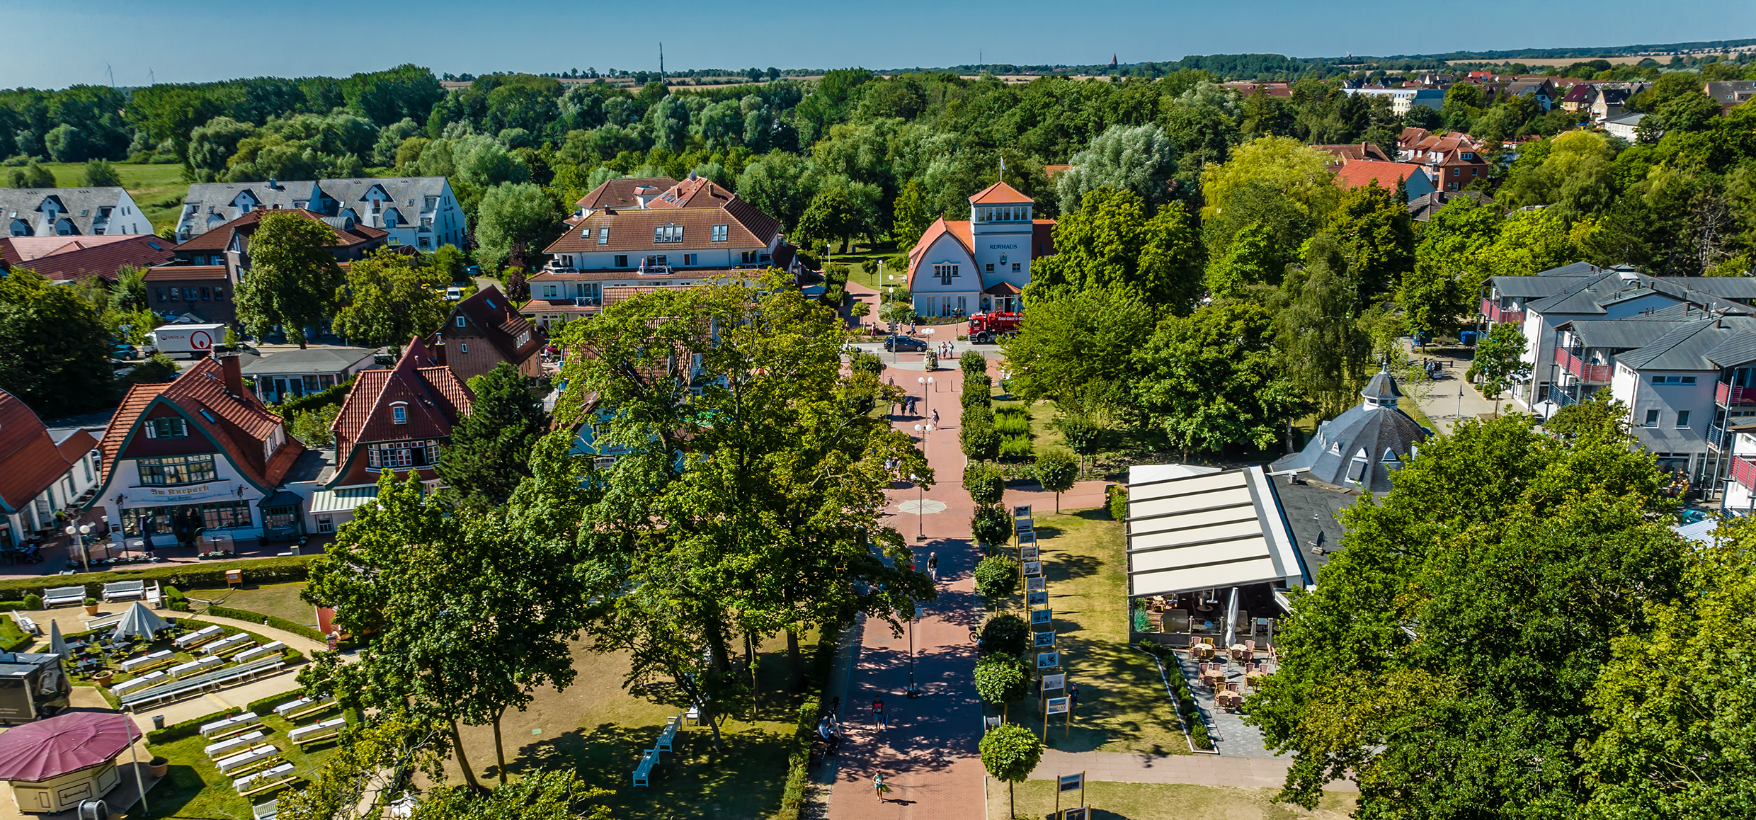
<point>52,45</point>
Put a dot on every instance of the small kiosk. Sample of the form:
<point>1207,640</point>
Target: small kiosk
<point>54,764</point>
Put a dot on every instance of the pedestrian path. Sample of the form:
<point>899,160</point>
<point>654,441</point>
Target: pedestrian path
<point>1198,770</point>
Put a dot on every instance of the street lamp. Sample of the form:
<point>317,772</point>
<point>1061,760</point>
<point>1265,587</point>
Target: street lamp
<point>921,493</point>
<point>134,757</point>
<point>914,691</point>
<point>926,400</point>
<point>79,533</point>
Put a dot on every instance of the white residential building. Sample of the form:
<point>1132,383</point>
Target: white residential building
<point>962,268</point>
<point>421,212</point>
<point>70,212</point>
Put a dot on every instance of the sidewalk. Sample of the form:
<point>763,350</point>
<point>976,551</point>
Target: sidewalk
<point>1198,770</point>
<point>1453,397</point>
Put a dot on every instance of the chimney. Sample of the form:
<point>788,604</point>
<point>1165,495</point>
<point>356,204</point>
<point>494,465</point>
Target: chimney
<point>234,374</point>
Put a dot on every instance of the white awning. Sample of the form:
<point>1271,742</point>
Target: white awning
<point>1207,531</point>
<point>342,500</point>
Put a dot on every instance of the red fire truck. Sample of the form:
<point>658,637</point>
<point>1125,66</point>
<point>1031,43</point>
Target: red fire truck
<point>984,328</point>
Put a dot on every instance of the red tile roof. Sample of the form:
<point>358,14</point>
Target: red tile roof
<point>241,424</point>
<point>434,396</point>
<point>347,232</point>
<point>631,230</point>
<point>1354,151</point>
<point>619,193</point>
<point>178,273</point>
<point>695,192</point>
<point>1361,173</point>
<point>77,444</point>
<point>999,194</point>
<point>29,459</point>
<point>70,258</point>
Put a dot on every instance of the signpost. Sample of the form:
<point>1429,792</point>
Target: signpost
<point>1029,553</point>
<point>1038,598</point>
<point>1041,617</point>
<point>1054,706</point>
<point>1055,681</point>
<point>1067,783</point>
<point>1036,583</point>
<point>1043,640</point>
<point>1033,568</point>
<point>1048,660</point>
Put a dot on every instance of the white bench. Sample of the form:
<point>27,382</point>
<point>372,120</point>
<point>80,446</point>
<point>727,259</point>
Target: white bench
<point>295,709</point>
<point>230,726</point>
<point>199,637</point>
<point>273,648</point>
<point>154,598</point>
<point>102,622</point>
<point>147,661</point>
<point>218,750</point>
<point>63,595</point>
<point>304,735</point>
<point>238,640</point>
<point>247,758</point>
<point>264,780</point>
<point>183,670</point>
<point>150,678</point>
<point>668,735</point>
<point>124,590</point>
<point>264,811</point>
<point>24,622</point>
<point>643,773</point>
<point>201,683</point>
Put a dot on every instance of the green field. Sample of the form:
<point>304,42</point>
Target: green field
<point>279,600</point>
<point>195,790</point>
<point>157,189</point>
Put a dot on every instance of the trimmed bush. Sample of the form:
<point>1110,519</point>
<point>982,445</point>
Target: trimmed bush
<point>211,575</point>
<point>991,525</point>
<point>267,620</point>
<point>1116,501</point>
<point>33,601</point>
<point>1006,634</point>
<point>977,435</point>
<point>984,482</point>
<point>973,363</point>
<point>8,606</point>
<point>1001,679</point>
<point>976,393</point>
<point>996,577</point>
<point>266,705</point>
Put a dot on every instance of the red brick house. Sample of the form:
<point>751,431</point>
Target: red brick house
<point>483,331</point>
<point>397,419</point>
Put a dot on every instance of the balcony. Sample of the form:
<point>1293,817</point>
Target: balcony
<point>1499,315</point>
<point>1588,373</point>
<point>1744,471</point>
<point>1726,395</point>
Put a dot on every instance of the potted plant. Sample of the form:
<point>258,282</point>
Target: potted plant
<point>102,678</point>
<point>91,606</point>
<point>159,766</point>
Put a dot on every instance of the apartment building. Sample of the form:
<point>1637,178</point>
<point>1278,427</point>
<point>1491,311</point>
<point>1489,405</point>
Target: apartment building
<point>420,212</point>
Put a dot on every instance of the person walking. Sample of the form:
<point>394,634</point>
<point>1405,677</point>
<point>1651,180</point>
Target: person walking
<point>933,566</point>
<point>879,717</point>
<point>935,418</point>
<point>878,786</point>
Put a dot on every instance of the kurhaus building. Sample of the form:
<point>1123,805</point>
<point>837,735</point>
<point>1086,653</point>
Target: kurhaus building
<point>961,268</point>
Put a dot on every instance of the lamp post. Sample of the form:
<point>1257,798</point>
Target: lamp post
<point>926,400</point>
<point>79,533</point>
<point>913,690</point>
<point>921,493</point>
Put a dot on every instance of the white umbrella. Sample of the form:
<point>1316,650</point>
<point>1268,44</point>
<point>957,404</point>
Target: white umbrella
<point>1232,618</point>
<point>56,644</point>
<point>140,622</point>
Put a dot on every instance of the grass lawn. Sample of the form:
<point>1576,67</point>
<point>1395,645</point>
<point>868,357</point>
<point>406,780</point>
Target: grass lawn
<point>279,600</point>
<point>1164,801</point>
<point>601,730</point>
<point>1122,702</point>
<point>195,790</point>
<point>177,656</point>
<point>10,634</point>
<point>157,189</point>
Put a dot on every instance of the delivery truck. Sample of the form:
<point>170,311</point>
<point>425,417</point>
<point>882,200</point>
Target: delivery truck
<point>186,341</point>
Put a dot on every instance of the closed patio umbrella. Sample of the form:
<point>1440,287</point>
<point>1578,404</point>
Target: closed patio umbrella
<point>57,645</point>
<point>139,622</point>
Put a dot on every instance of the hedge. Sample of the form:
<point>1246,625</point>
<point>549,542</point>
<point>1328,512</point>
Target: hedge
<point>1116,501</point>
<point>267,704</point>
<point>206,574</point>
<point>267,620</point>
<point>8,606</point>
<point>792,800</point>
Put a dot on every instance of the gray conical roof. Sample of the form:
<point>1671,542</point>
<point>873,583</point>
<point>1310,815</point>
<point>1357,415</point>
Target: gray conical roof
<point>1360,448</point>
<point>1382,387</point>
<point>57,644</point>
<point>139,622</point>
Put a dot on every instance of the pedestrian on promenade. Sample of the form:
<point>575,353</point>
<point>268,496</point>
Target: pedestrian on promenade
<point>878,715</point>
<point>1072,695</point>
<point>935,418</point>
<point>933,566</point>
<point>878,786</point>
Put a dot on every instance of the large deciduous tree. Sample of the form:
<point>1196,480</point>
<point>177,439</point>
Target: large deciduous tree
<point>489,451</point>
<point>513,224</point>
<point>1074,338</point>
<point>1213,380</point>
<point>1111,242</point>
<point>293,276</point>
<point>389,298</point>
<point>1139,159</point>
<point>1446,659</point>
<point>57,353</point>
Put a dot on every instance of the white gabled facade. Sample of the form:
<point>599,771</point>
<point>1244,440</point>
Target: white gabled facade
<point>70,212</point>
<point>961,268</point>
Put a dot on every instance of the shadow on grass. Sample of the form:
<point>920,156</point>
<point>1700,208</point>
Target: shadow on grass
<point>744,781</point>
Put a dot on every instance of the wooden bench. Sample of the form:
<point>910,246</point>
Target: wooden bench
<point>271,648</point>
<point>183,670</point>
<point>303,707</point>
<point>145,662</point>
<point>124,590</point>
<point>148,679</point>
<point>247,759</point>
<point>306,735</point>
<point>235,724</point>
<point>236,641</point>
<point>199,637</point>
<point>643,773</point>
<point>223,748</point>
<point>265,780</point>
<point>668,735</point>
<point>63,595</point>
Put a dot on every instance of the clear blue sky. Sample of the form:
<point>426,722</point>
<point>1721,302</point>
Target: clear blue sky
<point>56,44</point>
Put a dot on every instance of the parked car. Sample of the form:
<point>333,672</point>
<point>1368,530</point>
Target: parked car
<point>900,344</point>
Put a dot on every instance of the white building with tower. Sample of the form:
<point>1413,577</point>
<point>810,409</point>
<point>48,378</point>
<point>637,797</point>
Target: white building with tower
<point>959,268</point>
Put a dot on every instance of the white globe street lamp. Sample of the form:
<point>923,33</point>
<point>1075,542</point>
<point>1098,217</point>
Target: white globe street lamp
<point>79,533</point>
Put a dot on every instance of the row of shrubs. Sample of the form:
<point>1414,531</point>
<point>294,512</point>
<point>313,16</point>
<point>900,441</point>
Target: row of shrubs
<point>1187,710</point>
<point>792,799</point>
<point>267,620</point>
<point>187,576</point>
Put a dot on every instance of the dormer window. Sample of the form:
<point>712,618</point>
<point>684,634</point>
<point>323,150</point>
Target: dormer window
<point>720,232</point>
<point>168,427</point>
<point>399,413</point>
<point>460,321</point>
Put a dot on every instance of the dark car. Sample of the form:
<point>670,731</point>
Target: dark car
<point>903,344</point>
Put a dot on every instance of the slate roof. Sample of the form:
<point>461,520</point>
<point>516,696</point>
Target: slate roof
<point>1590,294</point>
<point>1377,433</point>
<point>179,273</point>
<point>29,459</point>
<point>347,234</point>
<point>1734,288</point>
<point>1622,334</point>
<point>435,398</point>
<point>1704,344</point>
<point>78,205</point>
<point>325,359</point>
<point>73,258</point>
<point>406,194</point>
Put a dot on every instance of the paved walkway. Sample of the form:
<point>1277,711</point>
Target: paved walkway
<point>1452,397</point>
<point>1199,770</point>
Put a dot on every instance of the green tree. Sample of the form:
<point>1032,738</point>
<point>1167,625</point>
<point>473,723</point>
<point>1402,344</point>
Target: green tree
<point>1214,379</point>
<point>1499,361</point>
<point>293,277</point>
<point>1251,259</point>
<point>32,176</point>
<point>57,347</point>
<point>1372,225</point>
<point>1075,338</point>
<point>991,525</point>
<point>1446,661</point>
<point>1110,242</point>
<point>831,216</point>
<point>387,299</point>
<point>1675,740</point>
<point>900,311</point>
<point>985,482</point>
<point>101,173</point>
<point>1056,470</point>
<point>375,757</point>
<point>1139,159</point>
<point>911,217</point>
<point>1272,173</point>
<point>513,224</point>
<point>1006,634</point>
<point>541,795</point>
<point>129,293</point>
<point>311,427</point>
<point>1001,679</point>
<point>996,578</point>
<point>1010,753</point>
<point>489,452</point>
<point>1325,352</point>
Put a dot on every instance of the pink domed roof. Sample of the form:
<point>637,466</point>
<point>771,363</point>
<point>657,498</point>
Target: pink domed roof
<point>64,744</point>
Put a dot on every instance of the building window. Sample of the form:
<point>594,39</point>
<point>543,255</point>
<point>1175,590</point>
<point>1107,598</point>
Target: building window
<point>463,347</point>
<point>990,267</point>
<point>621,261</point>
<point>399,455</point>
<point>1682,419</point>
<point>668,232</point>
<point>86,462</point>
<point>168,470</point>
<point>603,236</point>
<point>720,233</point>
<point>400,413</point>
<point>548,291</point>
<point>1652,418</point>
<point>161,293</point>
<point>168,427</point>
<point>1017,266</point>
<point>325,523</point>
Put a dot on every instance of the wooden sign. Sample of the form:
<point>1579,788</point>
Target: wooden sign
<point>1036,583</point>
<point>1027,537</point>
<point>1072,782</point>
<point>1029,553</point>
<point>1055,681</point>
<point>1048,660</point>
<point>1033,568</point>
<point>1041,616</point>
<point>1043,640</point>
<point>1040,598</point>
<point>1021,512</point>
<point>1057,706</point>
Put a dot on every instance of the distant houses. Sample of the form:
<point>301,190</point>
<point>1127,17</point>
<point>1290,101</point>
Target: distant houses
<point>420,212</point>
<point>70,212</point>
